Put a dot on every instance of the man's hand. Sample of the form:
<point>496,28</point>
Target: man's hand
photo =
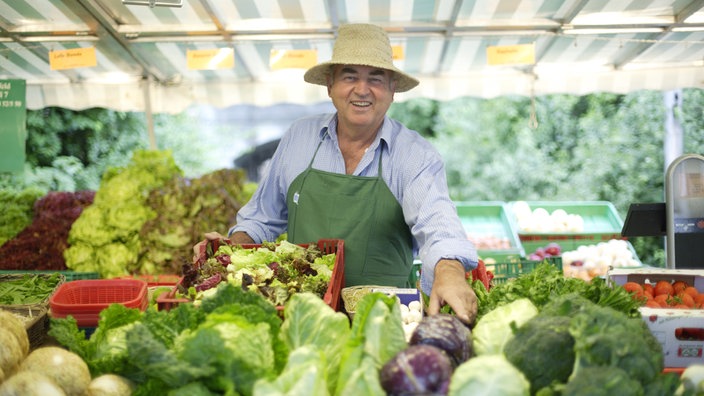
<point>450,287</point>
<point>241,237</point>
<point>236,238</point>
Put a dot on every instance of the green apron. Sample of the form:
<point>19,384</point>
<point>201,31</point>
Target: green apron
<point>360,210</point>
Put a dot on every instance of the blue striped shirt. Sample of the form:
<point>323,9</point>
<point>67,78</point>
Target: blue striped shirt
<point>411,167</point>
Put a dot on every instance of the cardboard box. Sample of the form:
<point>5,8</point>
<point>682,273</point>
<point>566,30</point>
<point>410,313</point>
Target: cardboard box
<point>679,331</point>
<point>405,295</point>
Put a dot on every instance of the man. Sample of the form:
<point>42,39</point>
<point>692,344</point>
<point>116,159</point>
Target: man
<point>360,176</point>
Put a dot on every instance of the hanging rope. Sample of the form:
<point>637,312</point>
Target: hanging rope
<point>533,118</point>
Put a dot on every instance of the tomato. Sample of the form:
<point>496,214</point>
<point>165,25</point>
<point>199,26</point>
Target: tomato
<point>634,288</point>
<point>663,300</point>
<point>678,286</point>
<point>692,291</point>
<point>663,287</point>
<point>686,299</point>
<point>648,288</point>
<point>652,304</point>
<point>648,295</point>
<point>699,301</point>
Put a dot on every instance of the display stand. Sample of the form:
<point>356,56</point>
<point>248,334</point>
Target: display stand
<point>684,199</point>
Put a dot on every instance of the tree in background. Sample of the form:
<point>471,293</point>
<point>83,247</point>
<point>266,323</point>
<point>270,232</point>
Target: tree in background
<point>584,148</point>
<point>70,150</point>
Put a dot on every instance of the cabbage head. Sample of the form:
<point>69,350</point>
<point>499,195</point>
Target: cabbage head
<point>496,328</point>
<point>488,375</point>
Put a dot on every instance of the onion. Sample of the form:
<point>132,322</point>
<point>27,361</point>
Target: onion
<point>30,383</point>
<point>64,367</point>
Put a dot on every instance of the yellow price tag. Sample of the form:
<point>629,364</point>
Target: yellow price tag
<point>210,59</point>
<point>521,54</point>
<point>72,58</point>
<point>292,59</point>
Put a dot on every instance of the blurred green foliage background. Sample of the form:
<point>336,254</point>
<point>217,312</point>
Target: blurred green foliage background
<point>558,147</point>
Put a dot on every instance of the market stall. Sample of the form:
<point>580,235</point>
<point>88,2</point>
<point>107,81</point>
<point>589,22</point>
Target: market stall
<point>118,287</point>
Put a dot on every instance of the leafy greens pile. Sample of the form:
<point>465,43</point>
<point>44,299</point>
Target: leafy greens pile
<point>17,211</point>
<point>187,208</point>
<point>235,343</point>
<point>546,282</point>
<point>40,246</point>
<point>275,271</point>
<point>105,238</point>
<point>571,337</point>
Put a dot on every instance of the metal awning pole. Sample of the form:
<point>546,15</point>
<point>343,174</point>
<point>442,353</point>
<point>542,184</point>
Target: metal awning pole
<point>148,111</point>
<point>674,135</point>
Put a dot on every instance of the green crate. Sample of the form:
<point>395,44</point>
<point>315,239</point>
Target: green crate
<point>601,223</point>
<point>68,275</point>
<point>490,219</point>
<point>505,271</point>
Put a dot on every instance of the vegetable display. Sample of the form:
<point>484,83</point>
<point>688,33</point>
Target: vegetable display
<point>186,208</point>
<point>45,371</point>
<point>546,282</point>
<point>236,342</point>
<point>603,340</point>
<point>564,340</point>
<point>666,294</point>
<point>105,238</point>
<point>275,271</point>
<point>16,211</point>
<point>28,288</point>
<point>41,245</point>
<point>64,368</point>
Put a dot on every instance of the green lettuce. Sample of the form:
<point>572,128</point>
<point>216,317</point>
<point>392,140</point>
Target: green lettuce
<point>106,234</point>
<point>309,322</point>
<point>495,329</point>
<point>305,374</point>
<point>376,336</point>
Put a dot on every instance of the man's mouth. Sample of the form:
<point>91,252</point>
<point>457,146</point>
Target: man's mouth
<point>361,103</point>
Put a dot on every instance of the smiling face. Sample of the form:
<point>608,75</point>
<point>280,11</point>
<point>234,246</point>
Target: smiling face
<point>361,95</point>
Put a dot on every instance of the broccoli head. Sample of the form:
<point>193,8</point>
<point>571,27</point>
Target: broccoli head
<point>603,381</point>
<point>543,349</point>
<point>606,337</point>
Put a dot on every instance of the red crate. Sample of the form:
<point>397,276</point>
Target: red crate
<point>169,300</point>
<point>85,299</point>
<point>156,280</point>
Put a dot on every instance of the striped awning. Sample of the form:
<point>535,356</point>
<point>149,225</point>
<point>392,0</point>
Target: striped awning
<point>577,47</point>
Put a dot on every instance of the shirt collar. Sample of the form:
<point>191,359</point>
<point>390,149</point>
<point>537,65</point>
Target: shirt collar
<point>329,128</point>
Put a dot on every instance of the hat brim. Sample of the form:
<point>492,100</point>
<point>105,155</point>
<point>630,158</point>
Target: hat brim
<point>318,75</point>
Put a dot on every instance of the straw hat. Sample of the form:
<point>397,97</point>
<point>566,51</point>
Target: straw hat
<point>361,44</point>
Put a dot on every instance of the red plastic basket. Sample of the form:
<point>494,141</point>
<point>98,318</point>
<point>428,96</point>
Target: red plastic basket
<point>85,299</point>
<point>156,280</point>
<point>332,297</point>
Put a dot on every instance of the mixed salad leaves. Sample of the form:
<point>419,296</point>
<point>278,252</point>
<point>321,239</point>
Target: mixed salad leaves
<point>274,270</point>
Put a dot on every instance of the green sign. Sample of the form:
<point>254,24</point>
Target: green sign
<point>13,127</point>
